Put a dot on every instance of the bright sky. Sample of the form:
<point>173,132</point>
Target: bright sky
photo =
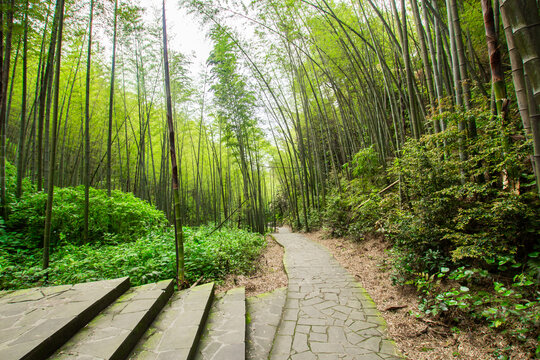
<point>185,32</point>
<point>187,35</point>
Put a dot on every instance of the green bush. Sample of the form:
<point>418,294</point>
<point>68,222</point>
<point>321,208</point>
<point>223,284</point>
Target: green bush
<point>356,208</point>
<point>458,212</point>
<point>148,259</point>
<point>119,218</point>
<point>336,218</point>
<point>464,232</point>
<point>467,235</point>
<point>510,305</point>
<point>11,184</point>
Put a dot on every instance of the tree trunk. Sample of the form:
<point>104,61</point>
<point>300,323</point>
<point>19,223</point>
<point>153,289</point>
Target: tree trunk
<point>425,57</point>
<point>495,61</point>
<point>111,103</point>
<point>518,76</point>
<point>3,105</point>
<point>43,103</point>
<point>524,20</point>
<point>87,129</point>
<point>179,235</point>
<point>455,62</point>
<point>20,146</point>
<point>415,122</point>
<point>460,49</point>
<point>52,159</point>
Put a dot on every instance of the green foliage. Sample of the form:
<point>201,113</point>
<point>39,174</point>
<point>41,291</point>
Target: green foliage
<point>235,102</point>
<point>11,184</point>
<point>129,237</point>
<point>365,166</point>
<point>457,221</point>
<point>336,215</point>
<point>225,251</point>
<point>119,218</point>
<point>353,213</point>
<point>463,235</point>
<point>356,207</point>
<point>465,238</point>
<point>148,259</point>
<point>513,306</point>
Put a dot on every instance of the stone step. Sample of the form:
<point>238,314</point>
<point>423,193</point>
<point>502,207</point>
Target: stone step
<point>263,317</point>
<point>113,334</point>
<point>36,322</point>
<point>224,337</point>
<point>176,331</point>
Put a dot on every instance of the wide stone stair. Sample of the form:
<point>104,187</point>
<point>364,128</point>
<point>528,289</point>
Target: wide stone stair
<point>111,320</point>
<point>114,333</point>
<point>225,333</point>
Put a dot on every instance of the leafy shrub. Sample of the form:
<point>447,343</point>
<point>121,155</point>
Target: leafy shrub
<point>119,218</point>
<point>365,168</point>
<point>354,213</point>
<point>464,232</point>
<point>467,235</point>
<point>512,306</point>
<point>365,216</point>
<point>356,208</point>
<point>11,184</point>
<point>336,217</point>
<point>148,259</point>
<point>460,210</point>
<point>225,251</point>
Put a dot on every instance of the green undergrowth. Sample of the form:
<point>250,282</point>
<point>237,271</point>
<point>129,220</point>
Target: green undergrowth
<point>122,217</point>
<point>463,233</point>
<point>209,257</point>
<point>127,237</point>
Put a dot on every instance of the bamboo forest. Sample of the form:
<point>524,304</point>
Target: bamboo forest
<point>184,139</point>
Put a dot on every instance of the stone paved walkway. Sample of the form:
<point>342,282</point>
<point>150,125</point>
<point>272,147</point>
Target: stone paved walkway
<point>327,314</point>
<point>225,335</point>
<point>264,314</point>
<point>177,329</point>
<point>35,322</point>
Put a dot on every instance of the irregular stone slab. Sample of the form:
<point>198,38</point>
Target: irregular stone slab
<point>264,314</point>
<point>224,337</point>
<point>114,333</point>
<point>177,329</point>
<point>327,313</point>
<point>36,322</point>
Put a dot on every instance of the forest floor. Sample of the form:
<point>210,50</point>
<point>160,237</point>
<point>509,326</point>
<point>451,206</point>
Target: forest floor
<point>416,337</point>
<point>268,275</point>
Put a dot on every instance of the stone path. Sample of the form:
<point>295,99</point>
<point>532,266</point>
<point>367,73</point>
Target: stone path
<point>113,333</point>
<point>264,315</point>
<point>225,335</point>
<point>177,329</point>
<point>323,314</point>
<point>327,314</point>
<point>35,322</point>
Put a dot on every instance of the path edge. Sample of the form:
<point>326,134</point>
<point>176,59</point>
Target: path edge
<point>286,294</point>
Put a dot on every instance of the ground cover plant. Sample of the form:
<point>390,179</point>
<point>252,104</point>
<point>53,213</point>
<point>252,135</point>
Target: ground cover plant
<point>150,258</point>
<point>129,237</point>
